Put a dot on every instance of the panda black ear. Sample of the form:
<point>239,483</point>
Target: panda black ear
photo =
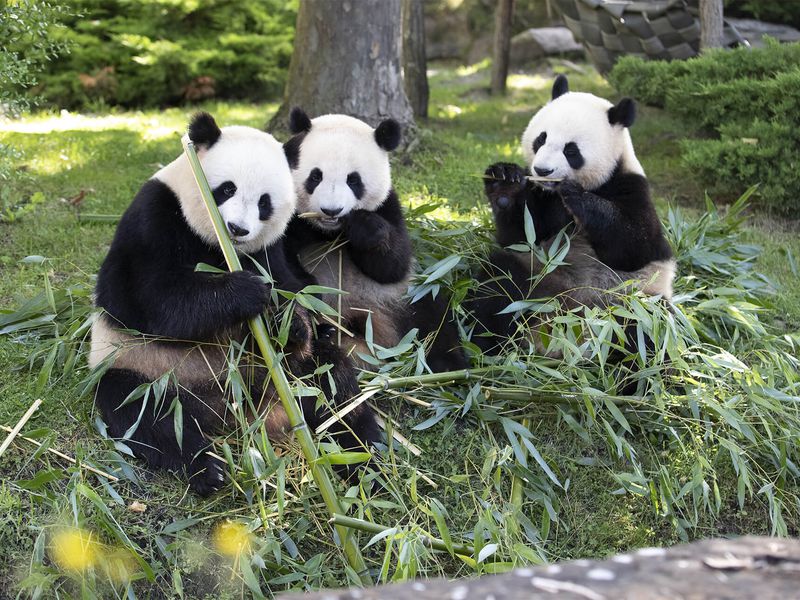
<point>388,134</point>
<point>299,121</point>
<point>203,130</point>
<point>624,113</point>
<point>560,86</point>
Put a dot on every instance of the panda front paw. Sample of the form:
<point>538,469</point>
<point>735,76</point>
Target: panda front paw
<point>247,293</point>
<point>502,182</point>
<point>571,195</point>
<point>367,230</point>
<point>300,329</point>
<point>206,475</point>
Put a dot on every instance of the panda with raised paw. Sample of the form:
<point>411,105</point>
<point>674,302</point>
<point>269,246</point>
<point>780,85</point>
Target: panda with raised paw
<point>148,284</point>
<point>582,175</point>
<point>350,234</point>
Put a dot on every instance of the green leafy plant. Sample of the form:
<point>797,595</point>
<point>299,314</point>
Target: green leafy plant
<point>747,99</point>
<point>145,53</point>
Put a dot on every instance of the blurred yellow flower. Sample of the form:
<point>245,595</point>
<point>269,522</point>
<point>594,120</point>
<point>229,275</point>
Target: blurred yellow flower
<point>74,549</point>
<point>231,538</point>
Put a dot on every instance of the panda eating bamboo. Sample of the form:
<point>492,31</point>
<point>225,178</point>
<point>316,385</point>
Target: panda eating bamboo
<point>350,234</point>
<point>583,177</point>
<point>160,316</point>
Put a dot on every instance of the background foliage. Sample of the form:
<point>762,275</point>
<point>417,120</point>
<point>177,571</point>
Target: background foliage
<point>162,52</point>
<point>748,100</point>
<point>774,11</point>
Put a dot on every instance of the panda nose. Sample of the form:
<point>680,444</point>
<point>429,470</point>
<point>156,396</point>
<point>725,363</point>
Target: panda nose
<point>542,172</point>
<point>331,212</point>
<point>236,230</point>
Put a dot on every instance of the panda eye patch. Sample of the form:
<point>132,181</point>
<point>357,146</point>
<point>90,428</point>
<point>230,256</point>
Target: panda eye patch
<point>264,207</point>
<point>573,155</point>
<point>223,191</point>
<point>539,141</point>
<point>354,183</point>
<point>313,180</point>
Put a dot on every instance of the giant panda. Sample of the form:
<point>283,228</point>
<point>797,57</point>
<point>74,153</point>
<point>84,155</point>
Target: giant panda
<point>343,179</point>
<point>582,174</point>
<point>159,314</point>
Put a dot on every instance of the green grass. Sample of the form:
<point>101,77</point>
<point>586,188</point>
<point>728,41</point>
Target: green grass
<point>469,459</point>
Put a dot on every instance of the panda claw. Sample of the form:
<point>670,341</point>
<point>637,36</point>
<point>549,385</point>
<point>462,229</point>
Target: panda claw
<point>208,476</point>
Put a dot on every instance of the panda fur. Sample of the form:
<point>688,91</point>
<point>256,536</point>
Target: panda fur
<point>159,315</point>
<point>342,173</point>
<point>603,200</point>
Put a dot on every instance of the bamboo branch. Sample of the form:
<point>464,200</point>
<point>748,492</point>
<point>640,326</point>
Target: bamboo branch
<point>65,456</point>
<point>435,543</point>
<point>319,468</point>
<point>20,424</point>
<point>533,395</point>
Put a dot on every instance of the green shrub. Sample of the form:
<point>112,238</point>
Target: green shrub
<point>747,100</point>
<point>138,53</point>
<point>763,152</point>
<point>651,81</point>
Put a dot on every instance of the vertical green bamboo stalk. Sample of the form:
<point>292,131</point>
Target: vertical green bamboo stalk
<point>319,470</point>
<point>517,483</point>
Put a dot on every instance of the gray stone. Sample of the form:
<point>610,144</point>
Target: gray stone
<point>741,569</point>
<point>754,31</point>
<point>533,44</point>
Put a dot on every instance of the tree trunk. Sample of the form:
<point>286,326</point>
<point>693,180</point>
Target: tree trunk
<point>502,45</point>
<point>347,59</point>
<point>710,24</point>
<point>415,75</point>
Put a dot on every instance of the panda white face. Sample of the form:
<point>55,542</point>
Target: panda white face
<point>250,179</point>
<point>341,166</point>
<point>580,137</point>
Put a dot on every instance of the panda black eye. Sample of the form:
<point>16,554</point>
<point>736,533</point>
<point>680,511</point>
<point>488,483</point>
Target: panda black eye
<point>224,191</point>
<point>539,141</point>
<point>573,155</point>
<point>355,184</point>
<point>264,207</point>
<point>313,180</point>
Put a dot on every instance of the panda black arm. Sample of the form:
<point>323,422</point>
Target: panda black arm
<point>299,234</point>
<point>148,281</point>
<point>620,221</point>
<point>509,192</point>
<point>379,242</point>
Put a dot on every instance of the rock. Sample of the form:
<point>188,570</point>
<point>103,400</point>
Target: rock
<point>754,31</point>
<point>740,569</point>
<point>533,44</point>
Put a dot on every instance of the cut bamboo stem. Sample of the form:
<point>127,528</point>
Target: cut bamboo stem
<point>20,424</point>
<point>64,456</point>
<point>435,543</point>
<point>319,468</point>
<point>388,383</point>
<point>532,395</point>
<point>517,483</point>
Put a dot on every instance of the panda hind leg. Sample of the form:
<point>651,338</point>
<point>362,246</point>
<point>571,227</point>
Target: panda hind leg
<point>433,317</point>
<point>154,439</point>
<point>359,429</point>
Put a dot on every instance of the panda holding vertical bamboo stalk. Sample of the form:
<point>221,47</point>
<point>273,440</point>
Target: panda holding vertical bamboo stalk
<point>162,320</point>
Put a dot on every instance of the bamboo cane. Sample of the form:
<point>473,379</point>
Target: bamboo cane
<point>517,483</point>
<point>319,469</point>
<point>435,543</point>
